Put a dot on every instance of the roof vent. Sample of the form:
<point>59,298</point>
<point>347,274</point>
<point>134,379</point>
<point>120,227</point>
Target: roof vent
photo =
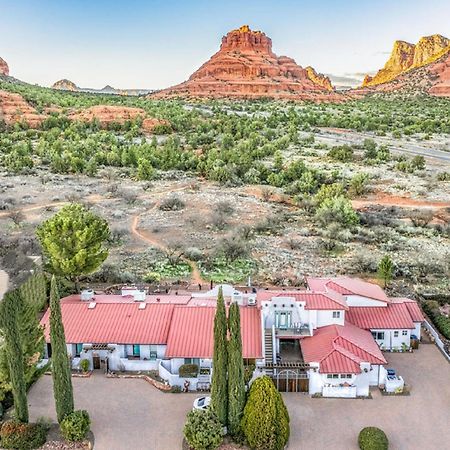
<point>139,295</point>
<point>251,301</point>
<point>91,305</point>
<point>142,305</point>
<point>87,294</point>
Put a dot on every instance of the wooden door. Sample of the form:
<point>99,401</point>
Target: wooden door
<point>96,361</point>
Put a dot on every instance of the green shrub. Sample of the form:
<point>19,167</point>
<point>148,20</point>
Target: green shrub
<point>338,210</point>
<point>372,438</point>
<point>23,436</point>
<point>343,153</point>
<point>266,420</point>
<point>188,370</point>
<point>75,426</point>
<point>84,365</point>
<point>202,430</point>
<point>441,322</point>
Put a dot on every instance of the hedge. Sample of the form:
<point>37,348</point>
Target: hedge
<point>23,436</point>
<point>441,322</point>
<point>188,371</point>
<point>203,430</point>
<point>372,438</point>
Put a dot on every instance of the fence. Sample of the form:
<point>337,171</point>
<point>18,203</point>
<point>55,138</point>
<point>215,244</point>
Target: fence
<point>439,342</point>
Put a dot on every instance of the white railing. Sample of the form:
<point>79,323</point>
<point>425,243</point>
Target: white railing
<point>437,338</point>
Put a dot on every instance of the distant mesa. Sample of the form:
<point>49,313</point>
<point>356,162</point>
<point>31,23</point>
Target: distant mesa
<point>4,69</point>
<point>65,85</point>
<point>246,67</point>
<point>406,57</point>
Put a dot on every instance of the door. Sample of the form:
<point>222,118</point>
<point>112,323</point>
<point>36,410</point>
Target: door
<point>49,350</point>
<point>96,361</point>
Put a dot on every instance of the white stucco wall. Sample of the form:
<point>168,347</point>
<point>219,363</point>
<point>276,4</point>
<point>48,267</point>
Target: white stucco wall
<point>390,341</point>
<point>325,317</point>
<point>357,300</point>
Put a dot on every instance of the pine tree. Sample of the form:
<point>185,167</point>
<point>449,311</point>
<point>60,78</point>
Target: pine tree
<point>219,394</point>
<point>236,383</point>
<point>386,270</point>
<point>61,371</point>
<point>10,307</point>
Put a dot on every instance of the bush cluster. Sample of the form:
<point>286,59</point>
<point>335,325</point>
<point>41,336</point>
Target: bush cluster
<point>23,436</point>
<point>188,370</point>
<point>76,426</point>
<point>203,430</point>
<point>372,438</point>
<point>441,322</point>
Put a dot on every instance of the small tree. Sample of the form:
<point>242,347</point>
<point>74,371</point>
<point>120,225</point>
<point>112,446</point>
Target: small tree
<point>266,420</point>
<point>219,388</point>
<point>61,371</point>
<point>372,438</point>
<point>236,382</point>
<point>338,210</point>
<point>10,307</point>
<point>386,270</point>
<point>73,242</point>
<point>203,430</point>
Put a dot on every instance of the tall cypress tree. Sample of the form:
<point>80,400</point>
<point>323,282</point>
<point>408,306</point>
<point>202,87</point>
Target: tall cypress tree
<point>236,383</point>
<point>61,371</point>
<point>219,387</point>
<point>10,307</point>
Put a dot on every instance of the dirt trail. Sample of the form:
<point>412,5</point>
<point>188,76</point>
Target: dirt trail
<point>382,198</point>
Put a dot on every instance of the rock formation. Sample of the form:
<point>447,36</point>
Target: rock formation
<point>246,67</point>
<point>4,69</point>
<point>406,56</point>
<point>107,115</point>
<point>14,108</point>
<point>65,85</point>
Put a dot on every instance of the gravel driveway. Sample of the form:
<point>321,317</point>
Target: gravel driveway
<point>129,414</point>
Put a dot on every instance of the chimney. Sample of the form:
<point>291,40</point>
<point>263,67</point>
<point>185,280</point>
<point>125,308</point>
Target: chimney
<point>87,295</point>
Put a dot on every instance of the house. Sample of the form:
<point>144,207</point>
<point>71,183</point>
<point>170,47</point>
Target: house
<point>139,332</point>
<point>393,322</point>
<point>327,339</point>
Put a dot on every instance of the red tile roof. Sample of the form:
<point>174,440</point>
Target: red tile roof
<point>313,300</point>
<point>191,333</point>
<point>394,316</point>
<point>341,349</point>
<point>348,286</point>
<point>113,323</point>
<point>117,298</point>
<point>413,308</point>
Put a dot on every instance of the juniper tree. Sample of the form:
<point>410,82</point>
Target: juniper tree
<point>73,242</point>
<point>61,371</point>
<point>236,383</point>
<point>386,270</point>
<point>219,388</point>
<point>10,307</point>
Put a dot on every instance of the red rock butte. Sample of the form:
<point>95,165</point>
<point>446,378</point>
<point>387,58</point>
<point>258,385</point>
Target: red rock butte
<point>246,67</point>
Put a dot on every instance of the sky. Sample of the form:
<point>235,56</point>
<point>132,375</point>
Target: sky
<point>155,43</point>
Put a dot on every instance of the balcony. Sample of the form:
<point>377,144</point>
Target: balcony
<point>296,330</point>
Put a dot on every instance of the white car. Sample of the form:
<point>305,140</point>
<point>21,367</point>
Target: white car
<point>202,403</point>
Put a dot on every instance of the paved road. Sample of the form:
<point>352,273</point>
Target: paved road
<point>353,137</point>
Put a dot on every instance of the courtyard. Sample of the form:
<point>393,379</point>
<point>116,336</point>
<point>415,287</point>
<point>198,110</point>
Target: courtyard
<point>131,414</point>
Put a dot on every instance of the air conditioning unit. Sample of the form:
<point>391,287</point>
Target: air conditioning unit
<point>251,301</point>
<point>139,295</point>
<point>87,295</point>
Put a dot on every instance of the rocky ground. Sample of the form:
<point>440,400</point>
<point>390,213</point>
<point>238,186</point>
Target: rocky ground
<point>175,225</point>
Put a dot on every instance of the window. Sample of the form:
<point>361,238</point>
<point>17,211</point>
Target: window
<point>192,361</point>
<point>78,349</point>
<point>336,314</point>
<point>136,350</point>
<point>335,375</point>
<point>346,375</point>
<point>378,335</point>
<point>396,333</point>
<point>405,333</point>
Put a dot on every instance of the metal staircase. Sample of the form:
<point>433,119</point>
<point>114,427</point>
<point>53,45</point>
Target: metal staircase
<point>268,347</point>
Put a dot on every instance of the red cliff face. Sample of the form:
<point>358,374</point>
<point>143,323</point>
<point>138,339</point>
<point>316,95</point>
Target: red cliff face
<point>4,69</point>
<point>246,67</point>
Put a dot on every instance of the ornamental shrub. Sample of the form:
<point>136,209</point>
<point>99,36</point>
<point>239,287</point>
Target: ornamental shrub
<point>372,438</point>
<point>188,370</point>
<point>75,426</point>
<point>266,420</point>
<point>203,430</point>
<point>23,436</point>
<point>84,365</point>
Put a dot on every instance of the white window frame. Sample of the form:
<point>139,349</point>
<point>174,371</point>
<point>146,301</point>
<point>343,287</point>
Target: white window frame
<point>336,314</point>
<point>396,333</point>
<point>405,333</point>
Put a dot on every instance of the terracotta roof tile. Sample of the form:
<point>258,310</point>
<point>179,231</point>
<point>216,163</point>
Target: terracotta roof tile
<point>394,316</point>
